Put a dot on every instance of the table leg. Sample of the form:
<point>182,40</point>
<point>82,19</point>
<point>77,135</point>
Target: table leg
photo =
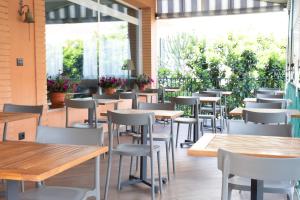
<point>12,190</point>
<point>215,114</point>
<point>257,187</point>
<point>143,168</point>
<point>172,148</point>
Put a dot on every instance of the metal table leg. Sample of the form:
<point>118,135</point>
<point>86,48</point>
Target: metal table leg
<point>257,187</point>
<point>12,190</point>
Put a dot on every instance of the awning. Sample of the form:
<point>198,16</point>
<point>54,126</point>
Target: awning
<point>193,8</point>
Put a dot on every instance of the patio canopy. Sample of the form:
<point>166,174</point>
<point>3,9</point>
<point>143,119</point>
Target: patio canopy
<point>191,8</point>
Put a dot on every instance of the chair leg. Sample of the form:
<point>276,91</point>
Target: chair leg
<point>130,168</point>
<point>167,157</point>
<point>159,172</point>
<point>152,178</point>
<point>189,132</point>
<point>107,177</point>
<point>118,134</point>
<point>178,124</point>
<point>120,173</point>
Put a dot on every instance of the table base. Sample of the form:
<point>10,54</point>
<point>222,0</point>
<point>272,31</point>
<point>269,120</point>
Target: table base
<point>133,180</point>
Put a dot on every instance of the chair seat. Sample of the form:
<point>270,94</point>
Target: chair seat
<point>185,120</point>
<point>241,183</point>
<point>155,136</point>
<point>54,193</point>
<point>134,149</point>
<point>86,125</point>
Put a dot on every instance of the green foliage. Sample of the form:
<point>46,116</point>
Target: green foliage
<point>237,63</point>
<point>73,59</point>
<point>273,75</point>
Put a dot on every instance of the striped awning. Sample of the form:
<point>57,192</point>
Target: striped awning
<point>192,8</point>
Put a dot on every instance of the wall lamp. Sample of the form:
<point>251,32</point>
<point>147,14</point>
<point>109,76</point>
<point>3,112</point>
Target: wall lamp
<point>25,10</point>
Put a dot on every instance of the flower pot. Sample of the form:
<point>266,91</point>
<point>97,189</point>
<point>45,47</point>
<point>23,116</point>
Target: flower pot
<point>57,100</point>
<point>142,88</point>
<point>110,91</point>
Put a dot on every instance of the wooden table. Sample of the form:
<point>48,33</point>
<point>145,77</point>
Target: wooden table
<point>261,146</point>
<point>272,99</point>
<point>28,161</point>
<point>159,114</point>
<point>148,95</point>
<point>290,112</point>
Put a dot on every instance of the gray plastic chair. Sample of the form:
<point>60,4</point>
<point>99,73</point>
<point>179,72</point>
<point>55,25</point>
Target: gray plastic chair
<point>208,109</point>
<point>283,102</point>
<point>192,102</point>
<point>130,95</point>
<point>141,150</point>
<point>105,96</point>
<point>237,127</point>
<point>82,104</point>
<point>74,136</point>
<point>168,138</point>
<point>284,170</point>
<point>272,96</point>
<point>265,117</point>
<point>21,109</point>
<point>263,105</point>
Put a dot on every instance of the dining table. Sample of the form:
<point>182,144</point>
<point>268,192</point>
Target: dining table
<point>293,113</point>
<point>30,161</point>
<point>259,146</point>
<point>159,114</point>
<point>149,96</point>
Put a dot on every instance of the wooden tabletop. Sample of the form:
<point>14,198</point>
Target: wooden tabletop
<point>165,114</point>
<point>275,99</point>
<point>101,101</point>
<point>261,146</point>
<point>146,93</point>
<point>291,112</point>
<point>224,93</point>
<point>30,161</point>
<point>172,89</point>
<point>205,99</point>
<point>6,117</point>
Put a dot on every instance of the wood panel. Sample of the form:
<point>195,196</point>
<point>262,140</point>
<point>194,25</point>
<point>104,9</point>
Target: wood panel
<point>37,162</point>
<point>262,146</point>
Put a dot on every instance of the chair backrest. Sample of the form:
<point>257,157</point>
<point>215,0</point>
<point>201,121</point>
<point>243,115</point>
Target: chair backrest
<point>133,119</point>
<point>263,105</point>
<point>268,89</point>
<point>130,95</point>
<point>206,94</point>
<point>105,96</point>
<point>73,136</point>
<point>214,90</point>
<point>237,127</point>
<point>188,101</point>
<point>156,106</point>
<point>267,169</point>
<point>24,109</point>
<point>273,96</point>
<point>81,104</point>
<point>282,101</point>
<point>265,117</point>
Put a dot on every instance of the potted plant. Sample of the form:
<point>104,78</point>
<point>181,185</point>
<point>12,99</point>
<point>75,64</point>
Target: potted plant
<point>57,87</point>
<point>143,81</point>
<point>110,84</point>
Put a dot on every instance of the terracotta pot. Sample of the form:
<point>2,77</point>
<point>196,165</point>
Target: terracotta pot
<point>57,99</point>
<point>110,91</point>
<point>142,88</point>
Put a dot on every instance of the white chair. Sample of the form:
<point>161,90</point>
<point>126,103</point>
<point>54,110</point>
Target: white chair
<point>265,117</point>
<point>284,102</point>
<point>270,170</point>
<point>74,136</point>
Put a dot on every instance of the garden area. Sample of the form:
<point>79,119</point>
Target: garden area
<point>236,63</point>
